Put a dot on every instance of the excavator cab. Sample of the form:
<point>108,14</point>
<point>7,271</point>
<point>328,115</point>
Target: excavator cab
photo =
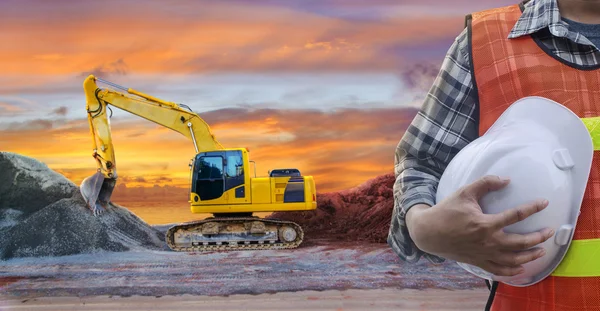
<point>216,172</point>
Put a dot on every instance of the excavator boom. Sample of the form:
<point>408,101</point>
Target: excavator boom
<point>97,189</point>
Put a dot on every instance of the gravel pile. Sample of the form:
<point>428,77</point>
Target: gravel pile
<point>42,213</point>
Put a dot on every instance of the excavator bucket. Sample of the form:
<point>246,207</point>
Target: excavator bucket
<point>97,190</point>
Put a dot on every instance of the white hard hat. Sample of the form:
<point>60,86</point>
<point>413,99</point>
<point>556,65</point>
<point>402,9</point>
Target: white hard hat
<point>546,151</point>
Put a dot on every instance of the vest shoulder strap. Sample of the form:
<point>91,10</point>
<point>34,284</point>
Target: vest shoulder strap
<point>508,14</point>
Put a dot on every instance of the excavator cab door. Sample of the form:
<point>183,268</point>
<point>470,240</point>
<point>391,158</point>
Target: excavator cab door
<point>216,172</point>
<point>210,180</point>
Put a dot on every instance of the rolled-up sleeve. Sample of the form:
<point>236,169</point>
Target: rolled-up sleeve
<point>446,122</point>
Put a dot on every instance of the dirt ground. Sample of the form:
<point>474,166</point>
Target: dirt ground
<point>334,300</point>
<point>320,275</point>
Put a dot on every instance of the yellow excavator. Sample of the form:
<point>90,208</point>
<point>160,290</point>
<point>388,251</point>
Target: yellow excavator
<point>220,179</point>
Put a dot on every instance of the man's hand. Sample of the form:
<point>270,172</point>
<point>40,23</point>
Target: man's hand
<point>457,229</point>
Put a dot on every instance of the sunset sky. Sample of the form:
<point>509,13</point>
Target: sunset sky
<point>325,86</point>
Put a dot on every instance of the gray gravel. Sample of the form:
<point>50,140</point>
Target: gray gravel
<point>42,213</point>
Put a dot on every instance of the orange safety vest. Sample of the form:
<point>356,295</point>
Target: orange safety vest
<point>505,70</point>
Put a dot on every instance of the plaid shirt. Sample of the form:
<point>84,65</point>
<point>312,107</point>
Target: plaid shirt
<point>447,121</point>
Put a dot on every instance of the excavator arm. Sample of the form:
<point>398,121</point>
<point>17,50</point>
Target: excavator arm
<point>97,189</point>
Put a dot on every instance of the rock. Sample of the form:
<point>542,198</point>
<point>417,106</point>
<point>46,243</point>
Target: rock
<point>42,213</point>
<point>358,214</point>
<point>29,185</point>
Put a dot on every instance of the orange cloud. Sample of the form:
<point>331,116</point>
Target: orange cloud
<point>341,148</point>
<point>219,36</point>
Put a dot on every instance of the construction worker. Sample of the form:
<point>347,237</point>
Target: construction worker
<point>547,48</point>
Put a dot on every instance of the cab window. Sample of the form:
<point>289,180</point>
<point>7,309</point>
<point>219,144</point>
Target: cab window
<point>210,168</point>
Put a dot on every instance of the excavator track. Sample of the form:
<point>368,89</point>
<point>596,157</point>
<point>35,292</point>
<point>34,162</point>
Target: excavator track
<point>234,233</point>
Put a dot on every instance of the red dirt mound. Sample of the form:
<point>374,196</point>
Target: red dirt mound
<point>358,214</point>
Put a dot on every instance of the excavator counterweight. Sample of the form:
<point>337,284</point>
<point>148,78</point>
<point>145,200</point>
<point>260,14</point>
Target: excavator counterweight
<point>220,180</point>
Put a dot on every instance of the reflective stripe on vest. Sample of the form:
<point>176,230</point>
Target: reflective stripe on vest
<point>582,260</point>
<point>583,257</point>
<point>504,71</point>
<point>593,126</point>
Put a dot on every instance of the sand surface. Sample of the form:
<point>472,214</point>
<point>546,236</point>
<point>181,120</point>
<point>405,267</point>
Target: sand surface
<point>321,275</point>
<point>334,300</point>
<point>323,265</point>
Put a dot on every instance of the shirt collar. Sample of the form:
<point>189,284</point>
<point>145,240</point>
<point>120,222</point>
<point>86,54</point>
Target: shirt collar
<point>540,14</point>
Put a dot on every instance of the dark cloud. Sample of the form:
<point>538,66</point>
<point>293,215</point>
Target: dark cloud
<point>136,134</point>
<point>419,76</point>
<point>162,179</point>
<point>61,111</point>
<point>28,126</point>
<point>55,125</point>
<point>156,181</point>
<point>116,68</point>
<point>156,165</point>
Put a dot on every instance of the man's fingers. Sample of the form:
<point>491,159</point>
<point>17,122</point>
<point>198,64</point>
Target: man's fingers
<point>514,215</point>
<point>485,184</point>
<point>516,259</point>
<point>501,270</point>
<point>518,242</point>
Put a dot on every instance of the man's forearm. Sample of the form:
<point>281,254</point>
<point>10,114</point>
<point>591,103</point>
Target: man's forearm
<point>412,222</point>
<point>413,213</point>
<point>412,188</point>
